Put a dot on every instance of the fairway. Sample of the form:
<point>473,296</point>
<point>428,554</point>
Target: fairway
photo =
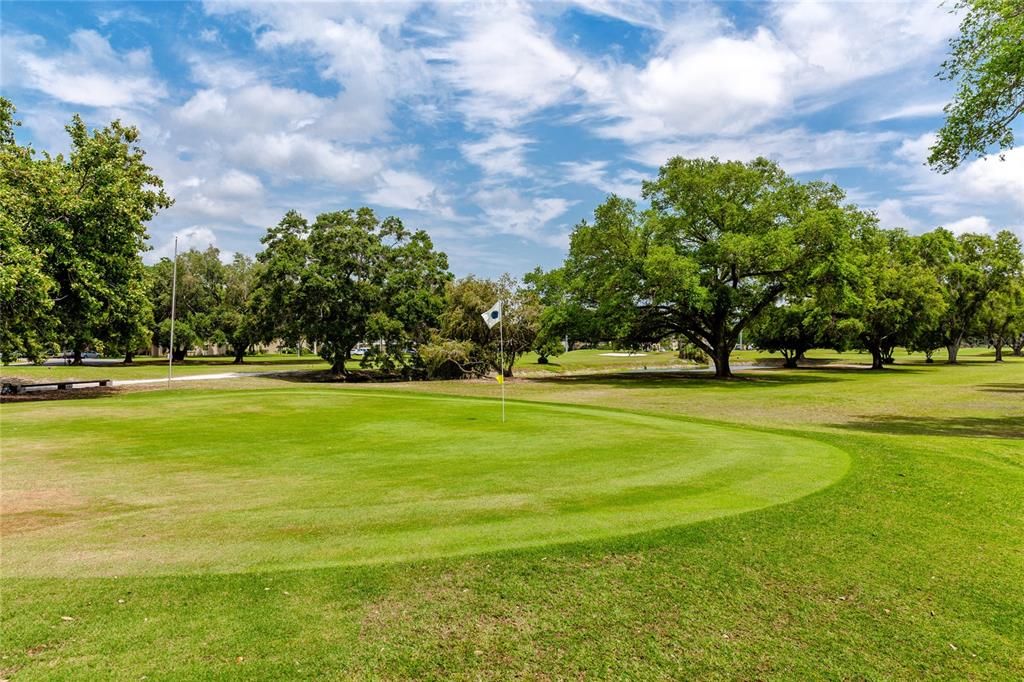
<point>228,481</point>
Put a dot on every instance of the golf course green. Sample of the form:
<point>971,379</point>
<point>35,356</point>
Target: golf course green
<point>261,528</point>
<point>230,481</point>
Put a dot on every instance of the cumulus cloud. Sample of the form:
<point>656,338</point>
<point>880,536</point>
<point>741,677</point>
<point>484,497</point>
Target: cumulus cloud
<point>499,154</point>
<point>403,189</point>
<point>503,65</point>
<point>974,224</point>
<point>509,212</point>
<point>88,73</point>
<point>997,178</point>
<point>194,237</point>
<point>891,214</point>
<point>724,85</point>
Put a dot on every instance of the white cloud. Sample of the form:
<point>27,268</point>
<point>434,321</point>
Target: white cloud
<point>195,237</point>
<point>503,65</point>
<point>915,150</point>
<point>509,212</point>
<point>891,214</point>
<point>637,13</point>
<point>841,42</point>
<point>357,46</point>
<point>402,189</point>
<point>706,76</point>
<point>797,150</point>
<point>998,179</point>
<point>626,184</point>
<point>236,183</point>
<point>298,156</point>
<point>724,85</point>
<point>975,224</point>
<point>89,73</point>
<point>252,108</point>
<point>500,154</point>
<point>914,110</point>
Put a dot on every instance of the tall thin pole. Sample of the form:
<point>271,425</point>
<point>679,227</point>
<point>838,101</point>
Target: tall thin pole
<point>501,356</point>
<point>174,297</point>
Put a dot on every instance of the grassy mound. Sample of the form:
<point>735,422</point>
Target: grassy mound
<point>229,481</point>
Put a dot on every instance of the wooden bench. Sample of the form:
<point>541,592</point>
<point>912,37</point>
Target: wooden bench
<point>16,389</point>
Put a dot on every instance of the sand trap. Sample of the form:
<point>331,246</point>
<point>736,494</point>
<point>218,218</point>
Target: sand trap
<point>624,355</point>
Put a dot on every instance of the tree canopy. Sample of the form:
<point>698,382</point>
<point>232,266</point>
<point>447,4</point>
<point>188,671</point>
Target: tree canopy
<point>351,277</point>
<point>76,230</point>
<point>987,62</point>
<point>721,242</point>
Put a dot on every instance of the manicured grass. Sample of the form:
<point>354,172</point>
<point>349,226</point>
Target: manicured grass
<point>909,566</point>
<point>237,481</point>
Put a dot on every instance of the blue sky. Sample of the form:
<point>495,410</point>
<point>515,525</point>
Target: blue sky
<point>497,127</point>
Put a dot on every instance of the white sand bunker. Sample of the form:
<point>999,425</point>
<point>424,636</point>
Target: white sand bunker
<point>624,355</point>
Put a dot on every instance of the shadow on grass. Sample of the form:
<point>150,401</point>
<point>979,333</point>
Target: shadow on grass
<point>970,427</point>
<point>325,376</point>
<point>56,394</point>
<point>1002,388</point>
<point>687,378</point>
<point>250,361</point>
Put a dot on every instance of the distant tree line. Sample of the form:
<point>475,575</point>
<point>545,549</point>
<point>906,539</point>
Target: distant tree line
<point>720,249</point>
<point>728,247</point>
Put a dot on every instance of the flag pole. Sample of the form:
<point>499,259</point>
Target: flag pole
<point>501,354</point>
<point>174,295</point>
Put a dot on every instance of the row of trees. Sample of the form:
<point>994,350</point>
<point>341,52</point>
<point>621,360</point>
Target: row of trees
<point>727,246</point>
<point>722,248</point>
<point>345,280</point>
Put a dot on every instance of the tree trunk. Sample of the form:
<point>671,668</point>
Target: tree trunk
<point>239,356</point>
<point>999,352</point>
<point>77,360</point>
<point>876,357</point>
<point>338,366</point>
<point>790,362</point>
<point>178,354</point>
<point>721,359</point>
<point>887,357</point>
<point>129,357</point>
<point>928,357</point>
<point>951,352</point>
<point>1018,346</point>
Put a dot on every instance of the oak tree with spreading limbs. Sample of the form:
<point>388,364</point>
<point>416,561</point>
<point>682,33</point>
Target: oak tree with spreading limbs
<point>722,241</point>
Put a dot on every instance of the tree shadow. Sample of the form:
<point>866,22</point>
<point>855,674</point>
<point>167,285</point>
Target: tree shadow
<point>325,376</point>
<point>51,394</point>
<point>224,361</point>
<point>969,427</point>
<point>686,378</point>
<point>1002,388</point>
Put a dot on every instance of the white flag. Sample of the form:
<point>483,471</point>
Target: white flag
<point>492,316</point>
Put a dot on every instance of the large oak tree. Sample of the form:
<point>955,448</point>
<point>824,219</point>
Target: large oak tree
<point>721,241</point>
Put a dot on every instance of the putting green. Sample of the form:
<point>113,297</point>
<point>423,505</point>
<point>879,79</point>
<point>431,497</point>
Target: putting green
<point>232,481</point>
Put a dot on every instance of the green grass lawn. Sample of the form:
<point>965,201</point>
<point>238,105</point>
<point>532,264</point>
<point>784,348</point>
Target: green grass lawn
<point>268,530</point>
<point>384,477</point>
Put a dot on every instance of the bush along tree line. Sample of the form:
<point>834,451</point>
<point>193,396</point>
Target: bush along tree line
<point>718,249</point>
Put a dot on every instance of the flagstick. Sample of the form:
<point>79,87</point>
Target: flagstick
<point>174,295</point>
<point>501,355</point>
